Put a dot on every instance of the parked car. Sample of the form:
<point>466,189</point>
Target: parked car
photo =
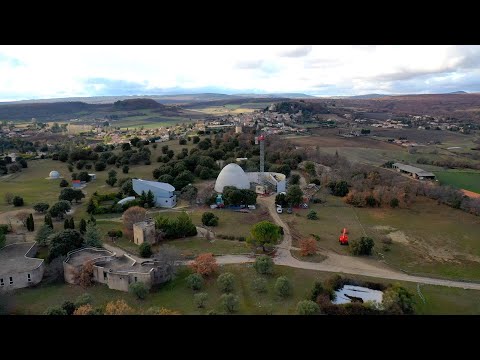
<point>279,209</point>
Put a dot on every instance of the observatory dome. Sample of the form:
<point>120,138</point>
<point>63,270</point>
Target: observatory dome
<point>54,174</point>
<point>232,175</point>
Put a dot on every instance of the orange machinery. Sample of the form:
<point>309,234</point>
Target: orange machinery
<point>344,237</point>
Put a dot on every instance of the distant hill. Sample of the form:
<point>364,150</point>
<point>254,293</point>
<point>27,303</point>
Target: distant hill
<point>162,99</point>
<point>368,96</point>
<point>458,92</point>
<point>279,95</point>
<point>73,109</point>
<point>136,104</point>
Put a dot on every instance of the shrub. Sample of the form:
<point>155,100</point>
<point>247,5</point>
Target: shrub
<point>86,309</point>
<point>125,169</point>
<point>307,307</point>
<point>308,247</point>
<point>363,246</point>
<point>263,264</point>
<point>397,299</point>
<point>283,287</point>
<point>119,307</point>
<point>394,203</point>
<point>200,299</point>
<point>204,264</point>
<point>69,307</point>
<point>42,235</point>
<point>229,302</point>
<point>259,285</point>
<point>318,290</point>
<point>312,215</point>
<point>209,219</point>
<point>195,281</point>
<point>315,181</point>
<point>41,207</point>
<point>55,310</point>
<point>226,282</point>
<point>100,166</point>
<point>17,201</point>
<point>145,250</point>
<point>84,299</point>
<point>294,179</point>
<point>139,289</point>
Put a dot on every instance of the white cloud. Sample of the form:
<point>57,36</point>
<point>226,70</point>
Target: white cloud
<point>52,71</point>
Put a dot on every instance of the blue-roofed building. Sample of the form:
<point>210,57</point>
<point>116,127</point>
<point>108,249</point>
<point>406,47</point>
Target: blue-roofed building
<point>163,192</point>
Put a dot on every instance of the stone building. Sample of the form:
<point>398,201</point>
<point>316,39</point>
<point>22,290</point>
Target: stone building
<point>18,266</point>
<point>117,272</point>
<point>144,231</point>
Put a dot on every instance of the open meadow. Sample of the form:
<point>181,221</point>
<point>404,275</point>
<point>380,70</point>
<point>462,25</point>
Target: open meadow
<point>175,295</point>
<point>427,238</point>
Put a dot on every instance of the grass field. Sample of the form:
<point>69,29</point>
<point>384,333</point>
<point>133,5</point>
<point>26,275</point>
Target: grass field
<point>468,180</point>
<point>428,239</point>
<point>176,296</point>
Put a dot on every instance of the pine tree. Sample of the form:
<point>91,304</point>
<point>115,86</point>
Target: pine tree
<point>91,206</point>
<point>72,223</point>
<point>143,199</point>
<point>83,226</point>
<point>66,224</point>
<point>48,221</point>
<point>32,223</point>
<point>92,236</point>
<point>28,223</point>
<point>150,199</point>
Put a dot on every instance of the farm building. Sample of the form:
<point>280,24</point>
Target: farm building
<point>413,171</point>
<point>163,192</point>
<point>118,272</point>
<point>18,266</point>
<point>233,175</point>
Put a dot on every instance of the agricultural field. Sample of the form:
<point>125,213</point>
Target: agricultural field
<point>427,239</point>
<point>175,295</point>
<point>469,180</point>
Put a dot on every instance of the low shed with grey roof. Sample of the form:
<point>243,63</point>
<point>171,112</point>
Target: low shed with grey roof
<point>162,192</point>
<point>413,171</point>
<point>18,266</point>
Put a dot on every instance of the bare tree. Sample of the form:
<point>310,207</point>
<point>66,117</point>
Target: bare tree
<point>22,216</point>
<point>131,216</point>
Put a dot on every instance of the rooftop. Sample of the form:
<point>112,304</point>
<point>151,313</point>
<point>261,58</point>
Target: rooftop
<point>413,169</point>
<point>156,184</point>
<point>80,257</point>
<point>13,259</point>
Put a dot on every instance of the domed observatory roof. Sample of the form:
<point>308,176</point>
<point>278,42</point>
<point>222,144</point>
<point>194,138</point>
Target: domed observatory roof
<point>54,174</point>
<point>232,175</point>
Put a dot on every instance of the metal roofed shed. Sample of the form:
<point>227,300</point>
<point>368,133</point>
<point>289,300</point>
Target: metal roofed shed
<point>413,171</point>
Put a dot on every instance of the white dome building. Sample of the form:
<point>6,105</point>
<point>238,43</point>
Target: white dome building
<point>54,175</point>
<point>232,175</point>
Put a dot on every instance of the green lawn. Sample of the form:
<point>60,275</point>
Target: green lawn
<point>176,296</point>
<point>431,239</point>
<point>469,180</point>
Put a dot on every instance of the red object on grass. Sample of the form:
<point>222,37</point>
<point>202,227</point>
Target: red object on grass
<point>344,237</point>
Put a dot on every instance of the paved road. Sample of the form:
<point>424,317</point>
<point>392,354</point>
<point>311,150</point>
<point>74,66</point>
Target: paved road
<point>346,264</point>
<point>334,263</point>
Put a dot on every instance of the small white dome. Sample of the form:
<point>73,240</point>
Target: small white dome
<point>232,175</point>
<point>54,174</point>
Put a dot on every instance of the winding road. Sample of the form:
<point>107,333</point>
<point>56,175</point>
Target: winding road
<point>335,262</point>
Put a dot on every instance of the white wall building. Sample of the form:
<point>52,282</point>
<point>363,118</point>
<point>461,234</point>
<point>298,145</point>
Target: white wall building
<point>162,192</point>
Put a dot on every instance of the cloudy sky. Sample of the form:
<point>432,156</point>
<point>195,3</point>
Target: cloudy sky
<point>32,72</point>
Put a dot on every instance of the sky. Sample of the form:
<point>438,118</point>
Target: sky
<point>52,71</point>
